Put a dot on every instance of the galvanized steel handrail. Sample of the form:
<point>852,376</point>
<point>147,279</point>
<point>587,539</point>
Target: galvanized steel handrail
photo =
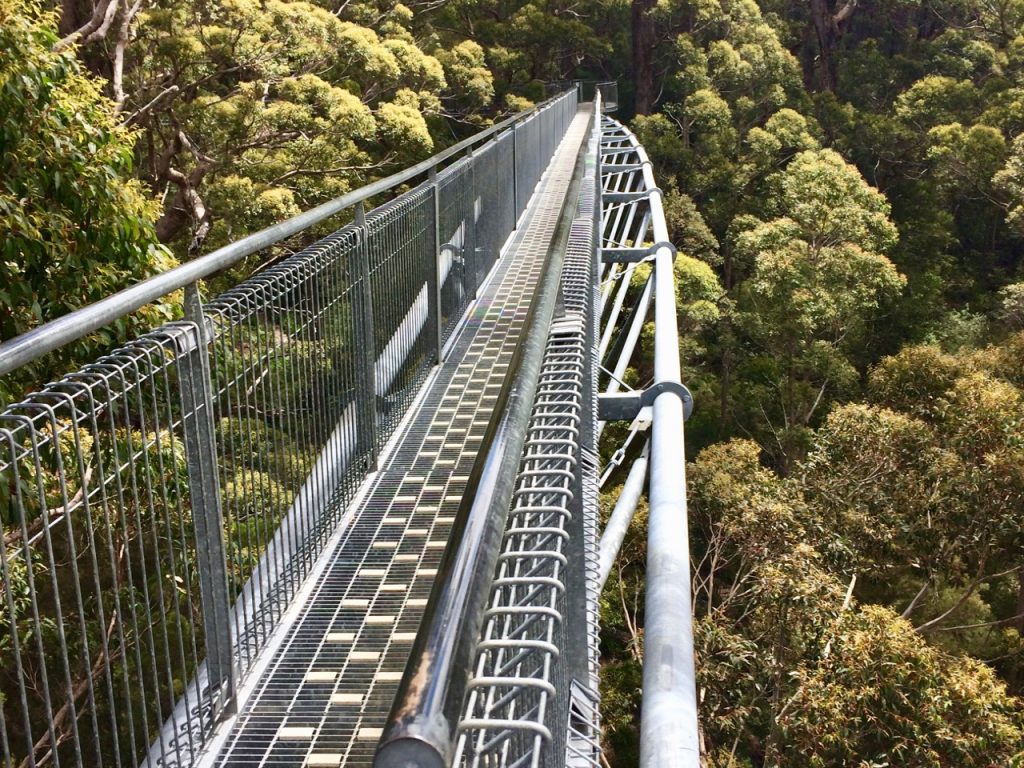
<point>668,724</point>
<point>50,336</point>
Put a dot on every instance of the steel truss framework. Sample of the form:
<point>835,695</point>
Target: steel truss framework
<point>634,232</point>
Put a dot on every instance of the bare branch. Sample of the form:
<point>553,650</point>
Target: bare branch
<point>95,28</point>
<point>143,111</point>
<point>913,603</point>
<point>123,36</point>
<point>964,597</point>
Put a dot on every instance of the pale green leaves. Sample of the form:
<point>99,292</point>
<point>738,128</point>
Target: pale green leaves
<point>819,268</point>
<point>967,159</point>
<point>885,697</point>
<point>935,100</point>
<point>831,204</point>
<point>402,126</point>
<point>68,206</point>
<point>1010,181</point>
<point>466,72</point>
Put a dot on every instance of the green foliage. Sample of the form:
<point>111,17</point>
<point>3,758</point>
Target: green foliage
<point>884,697</point>
<point>465,70</point>
<point>687,229</point>
<point>818,272</point>
<point>68,207</point>
<point>1011,306</point>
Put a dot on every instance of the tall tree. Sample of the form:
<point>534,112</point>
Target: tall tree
<point>818,273</point>
<point>68,205</point>
<point>829,20</point>
<point>644,42</point>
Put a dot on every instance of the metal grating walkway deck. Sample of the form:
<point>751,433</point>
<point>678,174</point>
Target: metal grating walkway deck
<point>326,692</point>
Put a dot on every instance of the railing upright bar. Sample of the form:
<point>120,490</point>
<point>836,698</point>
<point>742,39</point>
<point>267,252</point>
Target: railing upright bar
<point>366,354</point>
<point>434,272</point>
<point>473,253</point>
<point>208,520</point>
<point>622,515</point>
<point>515,175</point>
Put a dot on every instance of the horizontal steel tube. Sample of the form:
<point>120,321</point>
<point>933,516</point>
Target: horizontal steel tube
<point>30,346</point>
<point>668,719</point>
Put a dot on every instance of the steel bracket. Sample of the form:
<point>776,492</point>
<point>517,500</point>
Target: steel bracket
<point>628,197</point>
<point>626,406</point>
<point>633,255</point>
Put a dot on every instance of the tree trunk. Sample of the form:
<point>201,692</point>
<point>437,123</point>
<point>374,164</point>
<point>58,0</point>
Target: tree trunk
<point>1020,601</point>
<point>827,34</point>
<point>73,14</point>
<point>643,55</point>
<point>828,27</point>
<point>187,211</point>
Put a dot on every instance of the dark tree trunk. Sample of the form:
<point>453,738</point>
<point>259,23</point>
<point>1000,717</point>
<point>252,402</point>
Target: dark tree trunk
<point>1020,602</point>
<point>643,55</point>
<point>73,14</point>
<point>828,27</point>
<point>827,34</point>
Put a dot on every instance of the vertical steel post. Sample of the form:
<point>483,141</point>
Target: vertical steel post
<point>473,253</point>
<point>365,345</point>
<point>515,173</point>
<point>434,274</point>
<point>207,517</point>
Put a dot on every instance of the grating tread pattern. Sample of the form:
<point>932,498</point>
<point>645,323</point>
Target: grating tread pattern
<point>330,684</point>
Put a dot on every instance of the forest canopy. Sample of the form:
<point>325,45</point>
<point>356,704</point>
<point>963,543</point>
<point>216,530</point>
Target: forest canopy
<point>845,183</point>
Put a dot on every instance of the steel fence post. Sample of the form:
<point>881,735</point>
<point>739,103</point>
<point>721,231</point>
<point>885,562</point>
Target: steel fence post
<point>207,516</point>
<point>474,252</point>
<point>434,274</point>
<point>365,344</point>
<point>515,173</point>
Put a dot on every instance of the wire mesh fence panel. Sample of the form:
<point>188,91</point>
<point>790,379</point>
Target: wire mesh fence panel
<point>526,172</point>
<point>457,235</point>
<point>286,384</point>
<point>102,622</point>
<point>401,256</point>
<point>494,202</point>
<point>609,95</point>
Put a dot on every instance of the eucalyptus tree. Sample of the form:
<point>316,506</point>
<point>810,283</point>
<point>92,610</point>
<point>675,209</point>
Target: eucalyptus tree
<point>68,204</point>
<point>818,272</point>
<point>250,112</point>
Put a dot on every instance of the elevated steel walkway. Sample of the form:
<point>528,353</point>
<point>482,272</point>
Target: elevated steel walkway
<point>345,513</point>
